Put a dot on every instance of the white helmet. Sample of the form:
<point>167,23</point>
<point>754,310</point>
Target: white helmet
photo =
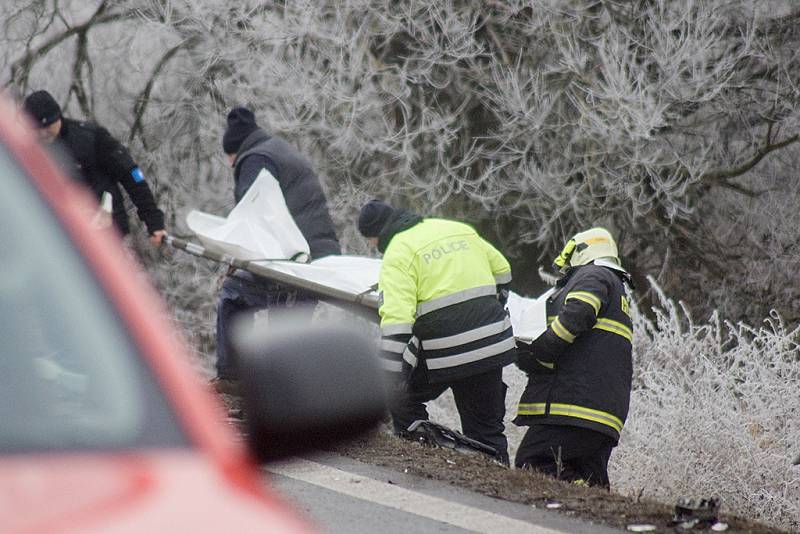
<point>586,247</point>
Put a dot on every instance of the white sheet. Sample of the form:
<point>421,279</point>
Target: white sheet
<point>261,227</point>
<point>528,315</point>
<point>354,274</point>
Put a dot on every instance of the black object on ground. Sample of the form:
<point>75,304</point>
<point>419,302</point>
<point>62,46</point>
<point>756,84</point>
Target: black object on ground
<point>436,435</point>
<point>691,513</point>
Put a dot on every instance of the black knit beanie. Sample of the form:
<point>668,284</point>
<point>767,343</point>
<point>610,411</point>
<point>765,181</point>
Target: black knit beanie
<point>43,108</point>
<point>241,123</point>
<point>373,218</point>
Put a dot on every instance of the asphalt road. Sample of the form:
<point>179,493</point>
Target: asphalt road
<point>341,495</point>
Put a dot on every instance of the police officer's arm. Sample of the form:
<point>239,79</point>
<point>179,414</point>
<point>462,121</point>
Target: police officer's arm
<point>501,270</point>
<point>398,287</point>
<point>116,161</point>
<point>577,316</point>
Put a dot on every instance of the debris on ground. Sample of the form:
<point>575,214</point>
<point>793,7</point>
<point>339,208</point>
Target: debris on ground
<point>552,504</point>
<point>436,435</point>
<point>698,513</point>
<point>482,474</point>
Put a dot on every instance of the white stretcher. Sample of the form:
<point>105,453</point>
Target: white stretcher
<point>260,235</point>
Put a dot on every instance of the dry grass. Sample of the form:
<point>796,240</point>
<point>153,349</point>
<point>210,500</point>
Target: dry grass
<point>480,474</point>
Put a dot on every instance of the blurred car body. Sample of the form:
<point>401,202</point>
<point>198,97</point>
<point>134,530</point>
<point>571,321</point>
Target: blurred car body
<point>104,425</point>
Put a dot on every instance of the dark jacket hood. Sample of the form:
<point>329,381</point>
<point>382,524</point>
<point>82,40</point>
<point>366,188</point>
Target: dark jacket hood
<point>256,137</point>
<point>399,220</point>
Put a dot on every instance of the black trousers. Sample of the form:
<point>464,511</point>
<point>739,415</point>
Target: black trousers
<point>480,401</point>
<point>241,296</point>
<point>570,453</point>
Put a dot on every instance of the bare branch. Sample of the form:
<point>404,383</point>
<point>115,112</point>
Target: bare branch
<point>143,99</point>
<point>721,177</point>
<point>20,69</point>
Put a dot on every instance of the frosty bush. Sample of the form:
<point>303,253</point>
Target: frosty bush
<point>714,412</point>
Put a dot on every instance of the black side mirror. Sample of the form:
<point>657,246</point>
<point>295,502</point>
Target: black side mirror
<point>307,386</point>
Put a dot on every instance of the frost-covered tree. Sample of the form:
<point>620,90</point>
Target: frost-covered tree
<point>673,122</point>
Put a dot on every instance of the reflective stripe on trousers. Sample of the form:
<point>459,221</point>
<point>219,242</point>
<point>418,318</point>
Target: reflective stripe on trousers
<point>571,410</point>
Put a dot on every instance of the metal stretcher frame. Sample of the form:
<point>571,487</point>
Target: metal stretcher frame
<point>363,304</point>
<point>528,316</point>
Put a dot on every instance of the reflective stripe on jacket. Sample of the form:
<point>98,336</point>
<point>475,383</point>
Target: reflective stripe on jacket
<point>438,282</point>
<point>581,374</point>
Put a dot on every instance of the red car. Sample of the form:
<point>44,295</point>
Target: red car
<point>104,425</point>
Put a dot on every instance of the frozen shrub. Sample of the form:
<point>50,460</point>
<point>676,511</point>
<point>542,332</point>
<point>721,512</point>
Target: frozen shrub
<point>714,412</point>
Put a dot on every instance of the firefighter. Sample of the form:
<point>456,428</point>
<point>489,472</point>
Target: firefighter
<point>579,370</point>
<point>94,158</point>
<point>443,319</point>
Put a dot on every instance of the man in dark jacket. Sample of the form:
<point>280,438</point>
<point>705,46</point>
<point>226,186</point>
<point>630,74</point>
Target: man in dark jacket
<point>92,156</point>
<point>250,150</point>
<point>579,370</point>
<point>443,319</point>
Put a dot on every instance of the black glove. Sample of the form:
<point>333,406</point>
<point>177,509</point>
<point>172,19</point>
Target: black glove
<point>534,358</point>
<point>502,293</point>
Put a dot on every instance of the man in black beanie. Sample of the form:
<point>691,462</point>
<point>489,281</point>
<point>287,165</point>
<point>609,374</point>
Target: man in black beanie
<point>373,218</point>
<point>93,157</point>
<point>443,319</point>
<point>250,150</point>
<point>241,123</point>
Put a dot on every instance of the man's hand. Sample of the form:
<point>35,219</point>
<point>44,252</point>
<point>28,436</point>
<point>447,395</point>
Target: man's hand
<point>534,358</point>
<point>157,237</point>
<point>502,293</point>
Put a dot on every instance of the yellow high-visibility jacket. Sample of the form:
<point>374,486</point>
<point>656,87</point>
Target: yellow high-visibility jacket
<point>439,308</point>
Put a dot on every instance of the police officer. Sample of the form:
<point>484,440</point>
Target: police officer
<point>99,161</point>
<point>579,370</point>
<point>443,318</point>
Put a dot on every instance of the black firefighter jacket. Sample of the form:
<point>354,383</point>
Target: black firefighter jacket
<point>580,369</point>
<point>93,157</point>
